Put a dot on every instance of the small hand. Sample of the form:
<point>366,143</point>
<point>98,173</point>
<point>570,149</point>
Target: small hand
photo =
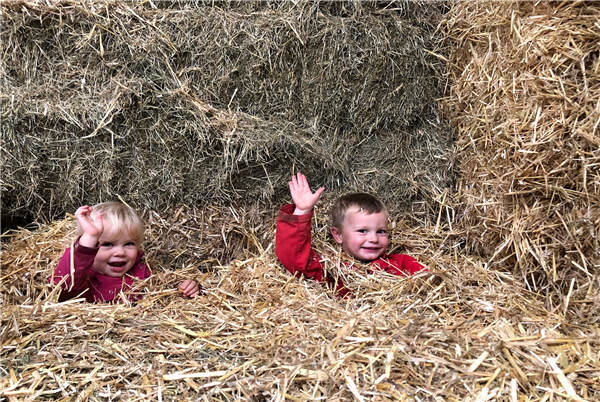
<point>304,199</point>
<point>189,288</point>
<point>92,227</point>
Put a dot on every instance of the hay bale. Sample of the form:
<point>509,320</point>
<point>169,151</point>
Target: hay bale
<point>189,103</point>
<point>524,99</point>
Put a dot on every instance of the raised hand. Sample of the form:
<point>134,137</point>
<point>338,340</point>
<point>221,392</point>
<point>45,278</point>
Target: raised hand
<point>304,199</point>
<point>92,227</point>
<point>189,288</point>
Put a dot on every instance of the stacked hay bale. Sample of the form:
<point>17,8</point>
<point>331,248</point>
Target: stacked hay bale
<point>526,103</point>
<point>192,103</point>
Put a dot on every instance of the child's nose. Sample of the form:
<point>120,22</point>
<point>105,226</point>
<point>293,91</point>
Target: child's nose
<point>373,237</point>
<point>119,250</point>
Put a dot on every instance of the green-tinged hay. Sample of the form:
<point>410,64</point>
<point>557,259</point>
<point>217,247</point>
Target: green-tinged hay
<point>189,103</point>
<point>524,99</point>
<point>458,332</point>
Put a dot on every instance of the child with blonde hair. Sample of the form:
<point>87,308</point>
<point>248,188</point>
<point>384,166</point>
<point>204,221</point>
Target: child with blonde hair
<point>359,225</point>
<point>106,257</point>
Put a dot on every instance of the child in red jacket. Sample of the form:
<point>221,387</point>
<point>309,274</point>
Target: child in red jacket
<point>106,257</point>
<point>359,224</point>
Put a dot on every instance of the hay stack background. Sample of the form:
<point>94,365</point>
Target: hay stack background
<point>490,321</point>
<point>170,103</point>
<point>526,103</point>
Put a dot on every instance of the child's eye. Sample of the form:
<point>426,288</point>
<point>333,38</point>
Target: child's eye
<point>362,230</point>
<point>382,231</point>
<point>130,244</point>
<point>106,245</point>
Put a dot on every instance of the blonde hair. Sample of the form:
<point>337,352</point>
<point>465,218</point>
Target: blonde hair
<point>363,201</point>
<point>122,219</point>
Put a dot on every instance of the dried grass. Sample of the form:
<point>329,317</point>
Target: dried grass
<point>525,101</point>
<point>460,332</point>
<point>195,103</point>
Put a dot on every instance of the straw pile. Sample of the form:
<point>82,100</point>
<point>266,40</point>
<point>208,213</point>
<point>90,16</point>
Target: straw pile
<point>461,332</point>
<point>196,103</point>
<point>526,103</point>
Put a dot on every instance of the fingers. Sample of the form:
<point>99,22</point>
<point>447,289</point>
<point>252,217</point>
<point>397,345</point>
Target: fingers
<point>185,284</point>
<point>293,183</point>
<point>83,211</point>
<point>196,291</point>
<point>299,183</point>
<point>294,186</point>
<point>300,180</point>
<point>189,288</point>
<point>303,198</point>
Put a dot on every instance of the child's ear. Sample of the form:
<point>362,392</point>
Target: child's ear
<point>337,235</point>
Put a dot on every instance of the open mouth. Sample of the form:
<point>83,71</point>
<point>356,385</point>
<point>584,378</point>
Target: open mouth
<point>117,264</point>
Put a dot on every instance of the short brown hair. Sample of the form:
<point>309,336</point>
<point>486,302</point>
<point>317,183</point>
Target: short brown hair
<point>363,201</point>
<point>122,218</point>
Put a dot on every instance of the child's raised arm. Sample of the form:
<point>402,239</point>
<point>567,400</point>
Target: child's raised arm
<point>92,227</point>
<point>304,199</point>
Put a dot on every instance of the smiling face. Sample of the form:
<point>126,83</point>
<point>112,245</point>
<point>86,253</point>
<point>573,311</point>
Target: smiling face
<point>362,235</point>
<point>117,254</point>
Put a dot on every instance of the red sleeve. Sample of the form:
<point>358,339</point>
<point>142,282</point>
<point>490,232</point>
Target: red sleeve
<point>402,264</point>
<point>293,244</point>
<point>83,260</point>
